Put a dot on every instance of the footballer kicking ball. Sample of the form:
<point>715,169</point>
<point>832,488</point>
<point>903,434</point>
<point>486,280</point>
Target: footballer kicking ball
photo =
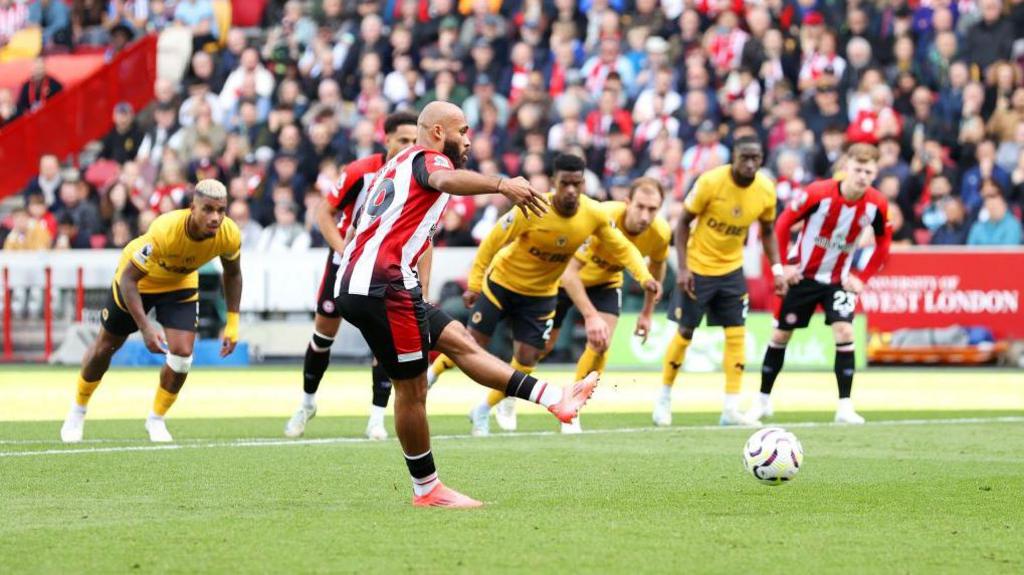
<point>773,455</point>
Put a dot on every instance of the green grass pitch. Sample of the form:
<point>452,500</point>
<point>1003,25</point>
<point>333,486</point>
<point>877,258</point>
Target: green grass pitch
<point>913,491</point>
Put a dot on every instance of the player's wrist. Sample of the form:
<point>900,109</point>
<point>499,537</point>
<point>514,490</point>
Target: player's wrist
<point>778,270</point>
<point>231,326</point>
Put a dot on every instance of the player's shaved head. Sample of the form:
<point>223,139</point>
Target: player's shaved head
<point>443,128</point>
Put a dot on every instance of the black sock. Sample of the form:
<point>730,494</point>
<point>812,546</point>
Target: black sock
<point>381,386</point>
<point>844,368</point>
<point>422,467</point>
<point>520,385</point>
<point>315,364</point>
<point>774,357</point>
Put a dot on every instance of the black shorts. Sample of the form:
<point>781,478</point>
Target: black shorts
<point>795,310</point>
<point>606,299</point>
<point>325,304</point>
<point>177,309</point>
<point>400,328</point>
<point>723,298</point>
<point>533,317</point>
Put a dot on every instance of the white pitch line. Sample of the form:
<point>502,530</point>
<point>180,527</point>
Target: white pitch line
<point>269,442</point>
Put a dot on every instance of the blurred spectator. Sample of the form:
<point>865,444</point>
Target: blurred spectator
<point>120,234</point>
<point>26,233</point>
<point>1009,112</point>
<point>8,107</point>
<point>89,22</point>
<point>122,142</point>
<point>38,88</point>
<point>286,233</point>
<point>13,17</point>
<point>933,215</point>
<point>47,183</point>
<point>74,195</point>
<point>985,170</point>
<point>902,231</point>
<point>953,231</point>
<point>251,230</point>
<point>456,224</point>
<point>159,136</point>
<point>250,69</point>
<point>54,17</point>
<point>197,16</point>
<point>996,226</point>
<point>116,205</point>
<point>991,38</point>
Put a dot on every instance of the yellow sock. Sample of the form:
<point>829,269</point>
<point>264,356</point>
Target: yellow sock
<point>163,401</point>
<point>590,361</point>
<point>733,358</point>
<point>674,357</point>
<point>85,389</point>
<point>442,364</point>
<point>495,396</point>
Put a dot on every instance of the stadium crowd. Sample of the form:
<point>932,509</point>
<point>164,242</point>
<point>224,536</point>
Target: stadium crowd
<point>637,87</point>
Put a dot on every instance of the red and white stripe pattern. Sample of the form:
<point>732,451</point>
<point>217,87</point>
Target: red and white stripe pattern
<point>349,193</point>
<point>394,227</point>
<point>12,18</point>
<point>832,225</point>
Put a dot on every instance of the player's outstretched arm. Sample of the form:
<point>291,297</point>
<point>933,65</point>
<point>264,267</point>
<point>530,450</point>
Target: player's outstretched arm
<point>597,329</point>
<point>129,284</point>
<point>470,183</point>
<point>624,251</point>
<point>232,279</point>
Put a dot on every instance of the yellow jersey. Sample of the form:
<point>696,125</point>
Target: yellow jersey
<point>528,255</point>
<point>724,213</point>
<point>600,267</point>
<point>170,258</point>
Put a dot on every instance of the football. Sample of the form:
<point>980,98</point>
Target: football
<point>773,455</point>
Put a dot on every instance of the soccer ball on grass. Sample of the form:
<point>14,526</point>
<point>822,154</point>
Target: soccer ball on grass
<point>773,455</point>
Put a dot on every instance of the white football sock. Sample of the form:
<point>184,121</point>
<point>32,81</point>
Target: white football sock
<point>425,485</point>
<point>766,399</point>
<point>666,392</point>
<point>77,409</point>
<point>732,402</point>
<point>154,416</point>
<point>845,404</point>
<point>308,401</point>
<point>377,414</point>
<point>545,394</point>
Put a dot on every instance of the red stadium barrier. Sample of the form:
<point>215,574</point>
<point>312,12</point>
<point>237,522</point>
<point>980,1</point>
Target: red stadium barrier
<point>76,116</point>
<point>940,287</point>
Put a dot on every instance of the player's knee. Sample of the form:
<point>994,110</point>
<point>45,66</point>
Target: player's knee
<point>842,331</point>
<point>686,332</point>
<point>411,390</point>
<point>180,364</point>
<point>780,337</point>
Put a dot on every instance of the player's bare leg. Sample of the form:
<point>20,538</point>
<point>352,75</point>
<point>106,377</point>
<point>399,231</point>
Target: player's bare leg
<point>844,367</point>
<point>318,356</point>
<point>94,366</point>
<point>414,434</point>
<point>594,358</point>
<point>180,344</point>
<point>673,362</point>
<point>774,358</point>
<point>489,371</point>
<point>443,363</point>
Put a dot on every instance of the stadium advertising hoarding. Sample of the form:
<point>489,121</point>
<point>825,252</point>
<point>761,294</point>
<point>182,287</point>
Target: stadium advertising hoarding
<point>944,287</point>
<point>810,348</point>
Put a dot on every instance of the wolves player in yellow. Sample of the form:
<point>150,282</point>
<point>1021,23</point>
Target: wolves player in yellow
<point>593,279</point>
<point>720,208</point>
<point>518,266</point>
<point>158,271</point>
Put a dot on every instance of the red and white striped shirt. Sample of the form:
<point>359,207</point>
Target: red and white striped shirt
<point>832,224</point>
<point>395,225</point>
<point>13,17</point>
<point>349,193</point>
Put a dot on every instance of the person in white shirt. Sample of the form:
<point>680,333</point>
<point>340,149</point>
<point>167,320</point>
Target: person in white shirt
<point>286,234</point>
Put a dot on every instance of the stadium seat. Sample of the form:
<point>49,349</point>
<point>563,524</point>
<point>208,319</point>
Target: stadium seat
<point>248,13</point>
<point>24,44</point>
<point>223,10</point>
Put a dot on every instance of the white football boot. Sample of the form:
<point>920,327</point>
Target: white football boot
<point>74,425</point>
<point>735,417</point>
<point>296,426</point>
<point>505,414</point>
<point>662,415</point>
<point>849,417</point>
<point>762,408</point>
<point>480,416</point>
<point>157,428</point>
<point>375,429</point>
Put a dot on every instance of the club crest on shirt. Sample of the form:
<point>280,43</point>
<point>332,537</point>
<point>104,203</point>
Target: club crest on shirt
<point>561,241</point>
<point>506,222</point>
<point>865,220</point>
<point>799,199</point>
<point>477,316</point>
<point>442,162</point>
<point>142,256</point>
<point>737,211</point>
